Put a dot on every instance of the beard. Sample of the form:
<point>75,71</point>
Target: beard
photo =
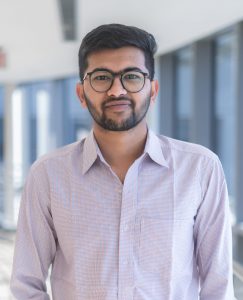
<point>131,121</point>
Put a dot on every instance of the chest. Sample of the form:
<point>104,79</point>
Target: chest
<point>99,197</point>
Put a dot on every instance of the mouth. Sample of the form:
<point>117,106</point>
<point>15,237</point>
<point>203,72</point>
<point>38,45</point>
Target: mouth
<point>118,105</point>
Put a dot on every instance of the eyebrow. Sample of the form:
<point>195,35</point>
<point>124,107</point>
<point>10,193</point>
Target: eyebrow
<point>121,71</point>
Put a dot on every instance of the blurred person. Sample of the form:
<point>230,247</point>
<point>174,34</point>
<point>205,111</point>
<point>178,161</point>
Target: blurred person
<point>123,213</point>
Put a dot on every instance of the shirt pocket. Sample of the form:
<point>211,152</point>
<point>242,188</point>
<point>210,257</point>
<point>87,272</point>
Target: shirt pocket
<point>155,245</point>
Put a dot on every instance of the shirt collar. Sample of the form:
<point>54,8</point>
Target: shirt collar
<point>89,152</point>
<point>152,148</point>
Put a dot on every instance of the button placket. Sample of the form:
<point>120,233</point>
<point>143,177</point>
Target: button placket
<point>126,237</point>
<point>125,228</point>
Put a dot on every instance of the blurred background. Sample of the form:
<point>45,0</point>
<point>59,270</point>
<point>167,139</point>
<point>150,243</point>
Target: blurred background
<point>199,65</point>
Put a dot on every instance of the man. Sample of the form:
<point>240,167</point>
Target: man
<point>123,214</point>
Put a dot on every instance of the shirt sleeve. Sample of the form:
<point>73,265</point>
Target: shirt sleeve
<point>213,236</point>
<point>35,245</point>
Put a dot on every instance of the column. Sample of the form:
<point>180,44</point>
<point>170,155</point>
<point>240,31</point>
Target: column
<point>16,152</point>
<point>239,140</point>
<point>8,216</point>
<point>45,140</point>
<point>166,96</point>
<point>202,93</point>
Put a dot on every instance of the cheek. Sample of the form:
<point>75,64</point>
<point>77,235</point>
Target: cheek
<point>146,91</point>
<point>143,97</point>
<point>95,99</point>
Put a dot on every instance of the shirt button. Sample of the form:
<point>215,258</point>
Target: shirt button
<point>125,227</point>
<point>125,262</point>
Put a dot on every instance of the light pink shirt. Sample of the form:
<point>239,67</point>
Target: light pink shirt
<point>164,234</point>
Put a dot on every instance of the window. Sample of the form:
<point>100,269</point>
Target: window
<point>183,96</point>
<point>78,120</point>
<point>1,122</point>
<point>55,115</point>
<point>225,107</point>
<point>1,149</point>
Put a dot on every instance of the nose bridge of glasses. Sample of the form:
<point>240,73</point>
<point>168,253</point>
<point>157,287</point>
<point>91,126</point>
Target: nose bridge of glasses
<point>116,88</point>
<point>117,81</point>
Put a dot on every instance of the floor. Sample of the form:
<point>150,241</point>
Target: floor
<point>6,255</point>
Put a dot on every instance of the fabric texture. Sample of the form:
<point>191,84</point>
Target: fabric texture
<point>164,234</point>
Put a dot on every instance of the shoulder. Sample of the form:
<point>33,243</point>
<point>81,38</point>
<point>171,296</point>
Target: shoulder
<point>60,156</point>
<point>185,149</point>
<point>190,158</point>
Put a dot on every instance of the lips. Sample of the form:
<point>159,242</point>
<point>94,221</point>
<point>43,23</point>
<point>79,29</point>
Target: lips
<point>117,103</point>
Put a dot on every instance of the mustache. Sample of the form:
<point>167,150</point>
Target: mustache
<point>112,99</point>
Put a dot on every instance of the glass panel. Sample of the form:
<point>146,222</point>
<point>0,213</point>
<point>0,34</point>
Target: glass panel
<point>1,121</point>
<point>183,96</point>
<point>54,98</point>
<point>224,108</point>
<point>1,150</point>
<point>75,111</point>
<point>31,91</point>
<point>78,119</point>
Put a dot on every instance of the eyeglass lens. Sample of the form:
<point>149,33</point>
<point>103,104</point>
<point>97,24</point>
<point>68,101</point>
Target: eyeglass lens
<point>132,81</point>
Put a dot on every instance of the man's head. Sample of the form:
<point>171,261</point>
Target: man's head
<point>114,36</point>
<point>116,71</point>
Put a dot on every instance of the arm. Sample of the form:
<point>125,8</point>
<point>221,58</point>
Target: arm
<point>35,245</point>
<point>213,237</point>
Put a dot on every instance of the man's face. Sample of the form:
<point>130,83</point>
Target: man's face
<point>117,109</point>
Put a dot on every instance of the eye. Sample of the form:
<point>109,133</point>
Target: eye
<point>132,76</point>
<point>102,78</point>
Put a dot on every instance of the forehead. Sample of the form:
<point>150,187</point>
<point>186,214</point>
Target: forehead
<point>117,59</point>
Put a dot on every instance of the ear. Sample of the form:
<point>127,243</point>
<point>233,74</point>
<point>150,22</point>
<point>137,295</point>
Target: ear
<point>154,91</point>
<point>80,94</point>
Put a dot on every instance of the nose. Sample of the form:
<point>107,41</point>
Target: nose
<point>116,89</point>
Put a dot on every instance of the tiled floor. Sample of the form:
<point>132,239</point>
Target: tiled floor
<point>6,256</point>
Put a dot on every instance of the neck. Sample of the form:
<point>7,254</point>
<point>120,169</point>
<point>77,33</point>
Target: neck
<point>121,148</point>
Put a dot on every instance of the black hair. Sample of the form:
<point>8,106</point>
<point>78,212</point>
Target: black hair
<point>114,36</point>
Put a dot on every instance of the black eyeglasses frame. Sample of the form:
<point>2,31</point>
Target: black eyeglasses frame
<point>115,74</point>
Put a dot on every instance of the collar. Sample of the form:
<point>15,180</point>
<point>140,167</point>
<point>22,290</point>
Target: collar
<point>153,148</point>
<point>91,151</point>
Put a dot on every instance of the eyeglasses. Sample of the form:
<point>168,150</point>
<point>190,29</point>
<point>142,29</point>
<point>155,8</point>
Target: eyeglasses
<point>101,80</point>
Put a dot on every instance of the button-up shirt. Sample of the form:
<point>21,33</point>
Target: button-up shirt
<point>164,234</point>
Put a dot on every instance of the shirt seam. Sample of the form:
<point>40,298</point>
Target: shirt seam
<point>212,157</point>
<point>199,253</point>
<point>45,222</point>
<point>53,156</point>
